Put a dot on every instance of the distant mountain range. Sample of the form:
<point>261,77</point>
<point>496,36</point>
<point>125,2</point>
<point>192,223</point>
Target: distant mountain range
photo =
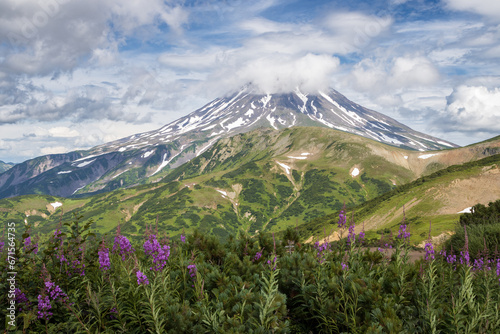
<point>4,166</point>
<point>148,157</point>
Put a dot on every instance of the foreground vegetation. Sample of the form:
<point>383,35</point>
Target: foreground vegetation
<point>75,282</point>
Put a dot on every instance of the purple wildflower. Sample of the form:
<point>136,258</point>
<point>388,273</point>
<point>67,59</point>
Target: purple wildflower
<point>112,312</point>
<point>351,237</point>
<point>273,262</point>
<point>159,253</point>
<point>123,246</point>
<point>2,245</point>
<point>141,278</point>
<point>257,256</point>
<point>52,292</point>
<point>451,258</point>
<point>43,307</point>
<point>429,251</point>
<point>478,264</point>
<point>29,246</point>
<point>104,262</point>
<point>344,266</point>
<point>321,250</point>
<point>21,299</point>
<point>361,235</point>
<point>192,271</point>
<point>498,269</point>
<point>183,238</point>
<point>342,218</point>
<point>403,234</point>
<point>55,292</point>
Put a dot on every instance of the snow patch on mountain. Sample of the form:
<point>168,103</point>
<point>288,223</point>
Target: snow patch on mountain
<point>236,124</point>
<point>55,205</point>
<point>207,146</point>
<point>147,154</point>
<point>224,194</point>
<point>426,156</point>
<point>85,163</point>
<point>271,121</point>
<point>466,210</point>
<point>287,168</point>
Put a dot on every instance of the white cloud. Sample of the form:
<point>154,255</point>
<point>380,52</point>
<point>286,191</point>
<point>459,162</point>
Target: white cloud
<point>413,71</point>
<point>490,8</point>
<point>54,150</point>
<point>473,108</point>
<point>378,76</point>
<point>281,73</point>
<point>63,132</point>
<point>54,35</point>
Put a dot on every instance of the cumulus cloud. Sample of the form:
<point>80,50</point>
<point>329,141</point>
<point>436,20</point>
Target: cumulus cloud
<point>489,8</point>
<point>54,35</point>
<point>377,76</point>
<point>473,108</point>
<point>282,73</point>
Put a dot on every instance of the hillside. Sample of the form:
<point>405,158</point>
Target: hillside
<point>263,180</point>
<point>438,199</point>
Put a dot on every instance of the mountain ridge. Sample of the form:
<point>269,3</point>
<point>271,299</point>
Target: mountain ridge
<point>263,180</point>
<point>147,157</point>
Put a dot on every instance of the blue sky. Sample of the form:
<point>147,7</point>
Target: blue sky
<point>75,74</point>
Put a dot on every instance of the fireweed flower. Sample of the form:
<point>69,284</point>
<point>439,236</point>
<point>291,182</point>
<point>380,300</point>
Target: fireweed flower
<point>2,245</point>
<point>192,272</point>
<point>273,262</point>
<point>478,264</point>
<point>112,312</point>
<point>104,262</point>
<point>351,237</point>
<point>141,278</point>
<point>122,246</point>
<point>361,235</point>
<point>429,251</point>
<point>498,269</point>
<point>43,307</point>
<point>403,234</point>
<point>159,253</point>
<point>183,238</point>
<point>342,219</point>
<point>344,266</point>
<point>21,300</point>
<point>257,256</point>
<point>55,292</point>
<point>321,250</point>
<point>52,292</point>
<point>29,246</point>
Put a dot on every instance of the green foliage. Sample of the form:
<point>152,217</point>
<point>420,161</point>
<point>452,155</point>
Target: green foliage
<point>482,215</point>
<point>247,285</point>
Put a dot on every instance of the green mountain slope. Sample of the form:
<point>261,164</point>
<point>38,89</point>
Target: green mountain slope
<point>437,199</point>
<point>263,180</point>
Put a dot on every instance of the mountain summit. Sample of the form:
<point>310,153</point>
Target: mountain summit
<point>245,111</point>
<point>143,158</point>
